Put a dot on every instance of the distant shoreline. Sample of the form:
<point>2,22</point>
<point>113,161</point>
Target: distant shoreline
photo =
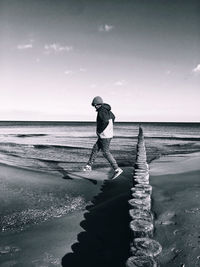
<point>82,122</point>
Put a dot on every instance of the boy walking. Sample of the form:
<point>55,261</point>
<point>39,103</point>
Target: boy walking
<point>105,120</point>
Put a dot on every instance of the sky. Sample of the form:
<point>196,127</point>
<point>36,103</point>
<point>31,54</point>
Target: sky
<point>141,56</point>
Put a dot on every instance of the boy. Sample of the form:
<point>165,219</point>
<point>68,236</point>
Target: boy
<point>105,120</point>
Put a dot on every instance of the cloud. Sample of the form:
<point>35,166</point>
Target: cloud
<point>197,69</point>
<point>83,70</point>
<point>120,83</point>
<point>93,85</point>
<point>168,72</point>
<point>56,48</point>
<point>69,72</point>
<point>24,46</point>
<point>106,28</point>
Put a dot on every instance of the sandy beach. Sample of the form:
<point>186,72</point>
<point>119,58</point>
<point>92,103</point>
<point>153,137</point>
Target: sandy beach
<point>93,229</point>
<point>176,197</point>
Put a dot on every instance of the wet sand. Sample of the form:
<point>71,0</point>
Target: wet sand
<point>98,220</point>
<point>44,238</point>
<point>176,205</point>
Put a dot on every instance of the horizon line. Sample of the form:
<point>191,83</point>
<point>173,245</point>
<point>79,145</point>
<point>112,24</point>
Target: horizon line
<point>82,121</point>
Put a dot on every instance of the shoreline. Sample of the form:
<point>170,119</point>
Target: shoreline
<point>176,198</point>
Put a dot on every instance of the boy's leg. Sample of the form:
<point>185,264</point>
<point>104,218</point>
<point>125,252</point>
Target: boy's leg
<point>105,147</point>
<point>94,153</point>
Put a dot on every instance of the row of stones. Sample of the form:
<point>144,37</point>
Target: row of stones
<point>143,247</point>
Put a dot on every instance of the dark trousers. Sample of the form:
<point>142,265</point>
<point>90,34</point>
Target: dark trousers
<point>103,144</point>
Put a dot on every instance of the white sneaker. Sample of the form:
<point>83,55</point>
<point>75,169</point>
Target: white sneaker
<point>117,173</point>
<point>87,168</point>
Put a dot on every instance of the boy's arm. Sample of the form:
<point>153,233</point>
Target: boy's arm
<point>112,116</point>
<point>103,120</point>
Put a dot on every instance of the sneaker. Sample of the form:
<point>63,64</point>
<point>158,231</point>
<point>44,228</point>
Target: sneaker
<point>87,168</point>
<point>117,173</point>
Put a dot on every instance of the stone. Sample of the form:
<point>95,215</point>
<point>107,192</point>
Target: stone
<point>146,187</point>
<point>146,246</point>
<point>141,195</point>
<point>140,165</point>
<point>141,201</point>
<point>141,261</point>
<point>139,190</point>
<point>141,178</point>
<point>141,214</point>
<point>137,187</point>
<point>141,154</point>
<point>141,174</point>
<point>141,228</point>
<point>141,181</point>
<point>141,157</point>
<point>144,176</point>
<point>141,171</point>
<point>143,206</point>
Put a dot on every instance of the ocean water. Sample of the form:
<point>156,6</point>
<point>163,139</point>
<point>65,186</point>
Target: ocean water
<point>47,146</point>
<point>58,147</point>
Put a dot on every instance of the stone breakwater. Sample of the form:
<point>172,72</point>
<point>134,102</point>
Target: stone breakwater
<point>143,248</point>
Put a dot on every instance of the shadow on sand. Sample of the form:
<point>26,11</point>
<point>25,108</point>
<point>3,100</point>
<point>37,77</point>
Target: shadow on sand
<point>68,175</point>
<point>105,240</point>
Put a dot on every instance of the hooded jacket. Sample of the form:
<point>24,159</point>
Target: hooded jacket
<point>105,120</point>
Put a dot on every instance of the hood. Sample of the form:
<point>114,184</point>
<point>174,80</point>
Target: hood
<point>106,106</point>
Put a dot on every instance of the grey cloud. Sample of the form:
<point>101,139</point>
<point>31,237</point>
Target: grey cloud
<point>197,69</point>
<point>24,46</point>
<point>56,48</point>
<point>106,28</point>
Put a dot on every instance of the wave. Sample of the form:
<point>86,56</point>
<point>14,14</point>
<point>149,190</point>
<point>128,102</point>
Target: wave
<point>30,135</point>
<point>115,136</point>
<point>153,137</point>
<point>58,146</point>
<point>174,138</point>
<point>125,137</point>
<point>181,145</point>
<point>40,146</point>
<point>12,144</point>
<point>8,153</point>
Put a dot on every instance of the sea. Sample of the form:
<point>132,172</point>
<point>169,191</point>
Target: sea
<point>49,146</point>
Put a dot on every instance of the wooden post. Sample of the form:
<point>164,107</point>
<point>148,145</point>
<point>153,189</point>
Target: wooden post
<point>143,248</point>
